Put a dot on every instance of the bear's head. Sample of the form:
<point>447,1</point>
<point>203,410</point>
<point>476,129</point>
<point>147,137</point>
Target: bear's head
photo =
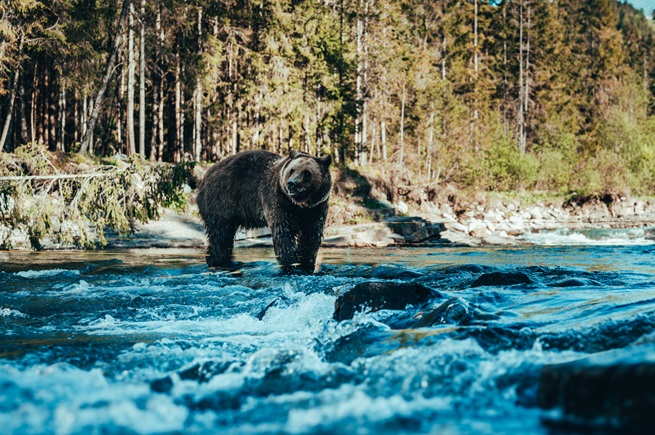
<point>305,179</point>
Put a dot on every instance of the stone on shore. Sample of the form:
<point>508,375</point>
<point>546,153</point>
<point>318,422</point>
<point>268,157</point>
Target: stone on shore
<point>415,229</point>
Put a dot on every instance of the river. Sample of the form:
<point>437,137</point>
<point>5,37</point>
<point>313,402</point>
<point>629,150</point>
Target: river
<point>151,341</point>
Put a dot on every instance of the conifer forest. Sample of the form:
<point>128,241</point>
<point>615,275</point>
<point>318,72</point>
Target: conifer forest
<point>544,95</point>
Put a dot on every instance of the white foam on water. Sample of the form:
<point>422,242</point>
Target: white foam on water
<point>33,274</point>
<point>71,400</point>
<point>349,402</point>
<point>7,312</point>
<point>301,319</point>
<point>617,237</point>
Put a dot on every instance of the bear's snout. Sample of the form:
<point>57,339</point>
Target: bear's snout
<point>293,187</point>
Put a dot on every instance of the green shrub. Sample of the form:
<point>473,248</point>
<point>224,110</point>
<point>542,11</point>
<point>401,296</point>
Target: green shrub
<point>45,202</point>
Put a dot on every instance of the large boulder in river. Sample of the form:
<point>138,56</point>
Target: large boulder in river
<point>613,389</point>
<point>376,296</point>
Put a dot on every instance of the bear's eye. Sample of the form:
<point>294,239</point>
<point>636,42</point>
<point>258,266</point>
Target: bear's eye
<point>291,172</point>
<point>307,174</point>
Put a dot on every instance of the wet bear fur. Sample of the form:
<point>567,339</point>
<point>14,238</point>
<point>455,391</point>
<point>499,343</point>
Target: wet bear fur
<point>256,189</point>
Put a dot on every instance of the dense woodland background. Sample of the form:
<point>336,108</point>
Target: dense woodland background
<point>553,95</point>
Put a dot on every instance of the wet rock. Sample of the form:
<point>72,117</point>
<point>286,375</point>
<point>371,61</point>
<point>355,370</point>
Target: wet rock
<point>163,385</point>
<point>650,234</point>
<point>502,278</point>
<point>207,370</point>
<point>416,229</point>
<point>603,337</point>
<point>376,234</point>
<point>393,272</point>
<point>453,311</point>
<point>613,389</point>
<point>458,238</point>
<point>376,296</point>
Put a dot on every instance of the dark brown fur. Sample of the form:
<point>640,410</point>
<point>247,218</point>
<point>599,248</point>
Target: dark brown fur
<point>255,189</point>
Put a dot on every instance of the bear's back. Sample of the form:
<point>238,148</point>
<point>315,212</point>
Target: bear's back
<point>231,188</point>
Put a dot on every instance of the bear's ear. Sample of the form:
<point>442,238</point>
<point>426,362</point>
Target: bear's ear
<point>293,153</point>
<point>325,161</point>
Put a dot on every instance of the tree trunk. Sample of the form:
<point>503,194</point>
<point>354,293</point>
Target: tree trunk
<point>526,96</point>
<point>52,113</point>
<point>3,47</point>
<point>85,113</point>
<point>121,124</point>
<point>197,100</point>
<point>374,144</point>
<point>505,80</point>
<point>131,66</point>
<point>235,136</point>
<point>157,142</point>
<point>363,157</point>
<point>22,111</point>
<point>521,120</point>
<point>358,87</point>
<point>308,140</point>
<point>142,81</point>
<point>443,42</point>
<point>45,87</point>
<point>430,142</point>
<point>76,118</point>
<point>160,121</point>
<point>475,39</point>
<point>86,140</point>
<point>35,90</point>
<point>61,145</point>
<point>402,125</point>
<point>476,69</point>
<point>10,109</point>
<point>383,140</point>
<point>179,123</point>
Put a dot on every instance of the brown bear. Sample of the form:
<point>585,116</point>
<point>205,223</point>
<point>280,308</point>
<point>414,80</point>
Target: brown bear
<point>255,189</point>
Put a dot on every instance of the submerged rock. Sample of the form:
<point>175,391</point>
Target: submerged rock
<point>163,385</point>
<point>376,296</point>
<point>609,389</point>
<point>453,311</point>
<point>502,278</point>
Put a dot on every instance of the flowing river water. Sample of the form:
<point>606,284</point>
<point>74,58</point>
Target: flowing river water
<point>151,341</point>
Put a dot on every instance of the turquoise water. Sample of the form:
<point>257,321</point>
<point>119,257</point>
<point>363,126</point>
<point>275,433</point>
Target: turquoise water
<point>151,341</point>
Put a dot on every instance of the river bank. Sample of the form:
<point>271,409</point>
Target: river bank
<point>484,221</point>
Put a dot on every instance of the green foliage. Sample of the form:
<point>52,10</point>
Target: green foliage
<point>47,204</point>
<point>505,167</point>
<point>494,95</point>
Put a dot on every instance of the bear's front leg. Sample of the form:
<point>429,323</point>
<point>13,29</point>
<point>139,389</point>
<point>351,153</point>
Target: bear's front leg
<point>309,240</point>
<point>285,245</point>
<point>308,244</point>
<point>221,245</point>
